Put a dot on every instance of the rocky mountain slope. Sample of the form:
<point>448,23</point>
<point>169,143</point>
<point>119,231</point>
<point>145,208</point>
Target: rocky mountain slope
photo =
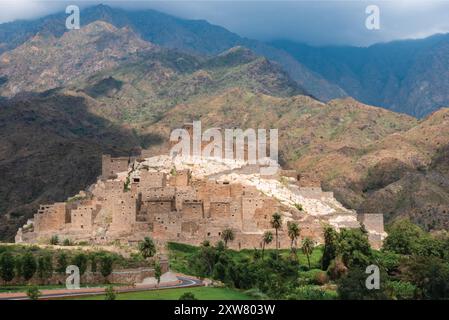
<point>404,76</point>
<point>57,61</point>
<point>51,147</point>
<point>191,36</point>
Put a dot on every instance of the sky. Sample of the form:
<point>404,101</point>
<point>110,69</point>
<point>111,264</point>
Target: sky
<point>316,22</point>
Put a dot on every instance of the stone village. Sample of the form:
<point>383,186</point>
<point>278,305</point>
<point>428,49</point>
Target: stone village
<point>178,199</point>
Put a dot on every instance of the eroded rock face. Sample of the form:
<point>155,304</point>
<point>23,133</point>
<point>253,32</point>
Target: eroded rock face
<point>58,61</point>
<point>191,200</point>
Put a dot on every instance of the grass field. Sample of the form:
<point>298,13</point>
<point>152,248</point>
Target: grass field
<point>201,293</point>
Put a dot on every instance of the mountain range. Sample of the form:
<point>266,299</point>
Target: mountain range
<point>68,97</point>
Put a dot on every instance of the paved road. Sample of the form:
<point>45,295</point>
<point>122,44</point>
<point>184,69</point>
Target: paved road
<point>65,293</point>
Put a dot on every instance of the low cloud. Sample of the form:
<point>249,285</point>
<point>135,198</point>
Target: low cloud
<point>313,22</point>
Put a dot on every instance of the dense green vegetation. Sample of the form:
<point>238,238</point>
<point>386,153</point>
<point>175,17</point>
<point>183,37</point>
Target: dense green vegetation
<point>413,264</point>
<point>25,262</point>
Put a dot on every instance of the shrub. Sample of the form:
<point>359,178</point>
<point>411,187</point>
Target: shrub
<point>7,266</point>
<point>18,265</point>
<point>401,290</point>
<point>336,269</point>
<point>309,293</point>
<point>158,272</point>
<point>352,287</point>
<point>29,266</point>
<point>110,293</point>
<point>321,278</point>
<point>106,265</point>
<point>61,263</point>
<point>187,296</point>
<point>256,294</point>
<point>80,260</point>
<point>54,240</point>
<point>45,266</point>
<point>33,293</point>
<point>93,262</point>
<point>67,242</point>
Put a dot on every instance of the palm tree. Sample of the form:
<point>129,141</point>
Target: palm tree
<point>293,234</point>
<point>276,223</point>
<point>307,248</point>
<point>266,239</point>
<point>147,247</point>
<point>227,235</point>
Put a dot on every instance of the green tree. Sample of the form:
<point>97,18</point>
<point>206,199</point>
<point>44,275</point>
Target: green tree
<point>227,235</point>
<point>80,260</point>
<point>293,234</point>
<point>61,263</point>
<point>29,266</point>
<point>110,293</point>
<point>276,223</point>
<point>106,265</point>
<point>18,266</point>
<point>430,275</point>
<point>354,248</point>
<point>158,272</point>
<point>45,266</point>
<point>403,237</point>
<point>147,247</point>
<point>330,247</point>
<point>307,248</point>
<point>352,287</point>
<point>7,266</point>
<point>266,240</point>
<point>203,261</point>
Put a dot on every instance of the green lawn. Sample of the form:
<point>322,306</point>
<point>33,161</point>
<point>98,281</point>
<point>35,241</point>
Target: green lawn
<point>201,293</point>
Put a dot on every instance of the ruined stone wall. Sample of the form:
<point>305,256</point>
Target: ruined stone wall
<point>249,207</point>
<point>180,178</point>
<point>82,218</point>
<point>193,209</point>
<point>123,212</point>
<point>157,193</point>
<point>374,223</point>
<point>111,166</point>
<point>151,179</point>
<point>182,194</point>
<point>50,217</point>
